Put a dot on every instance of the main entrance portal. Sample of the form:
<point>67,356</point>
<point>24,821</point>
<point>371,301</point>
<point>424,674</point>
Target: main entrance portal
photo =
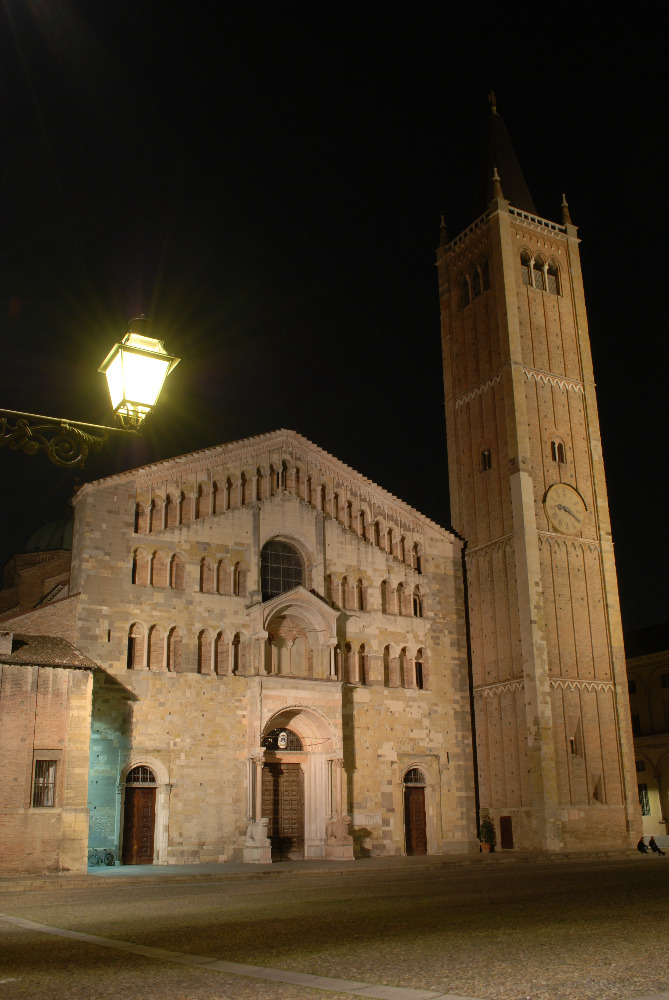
<point>283,805</point>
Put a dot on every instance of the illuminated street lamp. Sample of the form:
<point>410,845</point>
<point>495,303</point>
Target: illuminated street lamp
<point>136,370</point>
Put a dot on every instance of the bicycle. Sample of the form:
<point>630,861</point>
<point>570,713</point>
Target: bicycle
<point>100,857</point>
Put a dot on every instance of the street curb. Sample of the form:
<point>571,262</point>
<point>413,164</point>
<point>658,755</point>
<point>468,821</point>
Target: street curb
<point>235,871</point>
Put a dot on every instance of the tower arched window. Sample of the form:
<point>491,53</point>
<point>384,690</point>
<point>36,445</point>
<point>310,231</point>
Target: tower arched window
<point>281,568</point>
<point>558,453</point>
<point>525,267</point>
<point>553,279</point>
<point>476,282</point>
<point>417,603</point>
<point>538,276</point>
<point>486,460</point>
<point>485,273</point>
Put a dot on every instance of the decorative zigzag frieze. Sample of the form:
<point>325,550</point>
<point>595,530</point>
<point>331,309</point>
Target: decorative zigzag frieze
<point>566,684</point>
<point>490,548</point>
<point>493,690</point>
<point>558,381</point>
<point>562,542</point>
<point>478,390</point>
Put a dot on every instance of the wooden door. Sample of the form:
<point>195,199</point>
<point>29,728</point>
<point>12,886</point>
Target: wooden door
<point>414,820</point>
<point>506,833</point>
<point>283,804</point>
<point>139,823</point>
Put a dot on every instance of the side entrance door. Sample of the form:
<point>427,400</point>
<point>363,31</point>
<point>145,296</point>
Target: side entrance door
<point>283,804</point>
<point>139,823</point>
<point>414,820</point>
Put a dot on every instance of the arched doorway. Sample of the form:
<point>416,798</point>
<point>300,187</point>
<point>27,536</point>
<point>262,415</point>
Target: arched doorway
<point>415,827</point>
<point>139,816</point>
<point>283,793</point>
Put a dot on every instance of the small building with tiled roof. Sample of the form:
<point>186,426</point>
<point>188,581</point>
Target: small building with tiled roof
<point>46,689</point>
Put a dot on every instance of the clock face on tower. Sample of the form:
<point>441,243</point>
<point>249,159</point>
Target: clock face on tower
<point>565,508</point>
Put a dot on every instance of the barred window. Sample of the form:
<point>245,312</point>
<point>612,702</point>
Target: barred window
<point>140,775</point>
<point>414,776</point>
<point>44,784</point>
<point>644,801</point>
<point>280,569</point>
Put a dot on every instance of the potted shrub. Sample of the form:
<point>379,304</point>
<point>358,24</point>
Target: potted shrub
<point>487,834</point>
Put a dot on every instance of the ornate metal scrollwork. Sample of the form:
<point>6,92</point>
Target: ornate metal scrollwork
<point>65,443</point>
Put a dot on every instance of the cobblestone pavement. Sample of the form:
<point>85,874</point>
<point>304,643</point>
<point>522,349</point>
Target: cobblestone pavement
<point>556,930</point>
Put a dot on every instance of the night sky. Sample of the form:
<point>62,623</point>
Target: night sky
<point>267,181</point>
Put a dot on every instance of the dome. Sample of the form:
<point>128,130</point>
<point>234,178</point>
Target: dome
<point>51,537</point>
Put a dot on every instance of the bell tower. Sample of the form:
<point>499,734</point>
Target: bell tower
<point>528,495</point>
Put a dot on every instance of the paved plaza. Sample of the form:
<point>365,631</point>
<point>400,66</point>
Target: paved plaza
<point>505,927</point>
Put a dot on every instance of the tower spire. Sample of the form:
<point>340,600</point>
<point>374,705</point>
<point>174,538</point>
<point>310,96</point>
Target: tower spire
<point>499,154</point>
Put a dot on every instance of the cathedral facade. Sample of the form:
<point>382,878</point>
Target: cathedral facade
<point>283,641</point>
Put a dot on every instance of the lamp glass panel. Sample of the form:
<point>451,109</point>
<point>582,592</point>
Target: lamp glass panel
<point>114,375</point>
<point>143,377</point>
